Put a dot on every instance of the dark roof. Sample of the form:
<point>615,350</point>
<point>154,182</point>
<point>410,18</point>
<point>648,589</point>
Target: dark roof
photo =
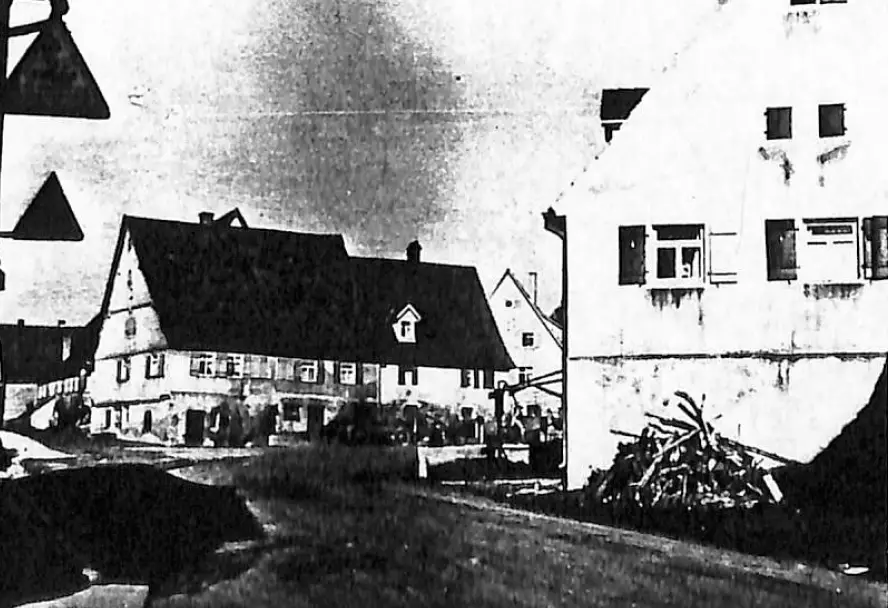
<point>33,353</point>
<point>456,330</point>
<point>617,104</point>
<point>221,288</point>
<point>277,293</point>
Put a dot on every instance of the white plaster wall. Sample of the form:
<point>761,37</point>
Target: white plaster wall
<point>690,154</point>
<point>439,386</point>
<point>544,356</point>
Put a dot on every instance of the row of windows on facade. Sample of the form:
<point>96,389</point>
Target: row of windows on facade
<point>213,365</point>
<point>59,387</point>
<point>835,250</point>
<point>831,121</point>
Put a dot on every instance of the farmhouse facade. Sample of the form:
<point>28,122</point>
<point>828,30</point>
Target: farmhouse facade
<point>732,241</point>
<point>209,324</point>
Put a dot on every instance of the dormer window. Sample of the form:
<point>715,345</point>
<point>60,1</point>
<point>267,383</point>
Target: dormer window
<point>405,325</point>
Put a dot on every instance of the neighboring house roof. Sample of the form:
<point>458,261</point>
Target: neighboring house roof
<point>551,326</point>
<point>276,293</point>
<point>32,354</point>
<point>456,330</point>
<point>220,288</point>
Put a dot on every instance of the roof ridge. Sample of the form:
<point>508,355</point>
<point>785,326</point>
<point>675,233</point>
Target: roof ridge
<point>141,218</point>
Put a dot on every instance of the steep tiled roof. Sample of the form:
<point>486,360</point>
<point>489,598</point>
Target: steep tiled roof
<point>456,330</point>
<point>276,293</point>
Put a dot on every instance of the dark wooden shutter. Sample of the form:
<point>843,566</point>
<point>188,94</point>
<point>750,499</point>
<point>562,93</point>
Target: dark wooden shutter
<point>402,379</point>
<point>415,376</point>
<point>879,247</point>
<point>337,371</point>
<point>476,376</point>
<point>195,365</point>
<point>161,363</point>
<point>465,378</point>
<point>488,378</point>
<point>780,238</point>
<point>632,255</point>
<point>148,365</point>
<point>321,371</point>
<point>359,374</point>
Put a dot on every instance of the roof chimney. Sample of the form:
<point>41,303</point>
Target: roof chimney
<point>413,250</point>
<point>206,217</point>
<point>21,324</point>
<point>61,322</point>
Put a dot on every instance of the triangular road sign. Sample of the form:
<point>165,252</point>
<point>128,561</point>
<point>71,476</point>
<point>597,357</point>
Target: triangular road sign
<point>52,79</point>
<point>49,217</point>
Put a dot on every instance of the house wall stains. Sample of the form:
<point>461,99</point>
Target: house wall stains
<point>795,356</point>
<point>790,406</point>
<point>439,387</point>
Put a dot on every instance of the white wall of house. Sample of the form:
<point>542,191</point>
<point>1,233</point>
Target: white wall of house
<point>789,362</point>
<point>530,341</point>
<point>439,386</point>
<point>129,299</point>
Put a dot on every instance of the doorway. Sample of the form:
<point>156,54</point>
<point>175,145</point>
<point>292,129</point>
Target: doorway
<point>315,421</point>
<point>195,421</point>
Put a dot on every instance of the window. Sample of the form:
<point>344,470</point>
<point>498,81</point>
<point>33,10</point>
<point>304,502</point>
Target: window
<point>234,366</point>
<point>202,364</point>
<point>129,327</point>
<point>524,374</point>
<point>779,123</point>
<point>466,377</point>
<point>404,372</point>
<point>632,266</point>
<point>66,347</point>
<point>832,120</point>
<point>129,279</point>
<point>679,253</point>
<point>123,370</point>
<point>875,248</point>
<point>407,331</point>
<point>527,339</point>
<point>780,239</point>
<point>286,369</point>
<point>508,303</point>
<point>488,378</point>
<point>348,373</point>
<point>405,325</point>
<point>154,365</point>
<point>831,250</point>
<point>291,411</point>
<point>308,372</point>
<point>108,418</point>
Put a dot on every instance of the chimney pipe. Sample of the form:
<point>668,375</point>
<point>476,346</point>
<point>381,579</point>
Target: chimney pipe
<point>206,217</point>
<point>534,283</point>
<point>413,251</point>
<point>21,323</point>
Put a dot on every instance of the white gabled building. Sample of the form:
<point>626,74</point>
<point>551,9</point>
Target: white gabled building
<point>732,240</point>
<point>533,340</point>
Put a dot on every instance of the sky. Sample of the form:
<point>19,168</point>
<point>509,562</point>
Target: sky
<point>454,122</point>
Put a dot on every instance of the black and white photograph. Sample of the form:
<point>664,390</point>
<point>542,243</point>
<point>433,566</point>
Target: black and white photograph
<point>443,303</point>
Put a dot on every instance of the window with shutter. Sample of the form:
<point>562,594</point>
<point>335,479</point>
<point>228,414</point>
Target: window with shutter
<point>831,251</point>
<point>679,255</point>
<point>780,238</point>
<point>632,255</point>
<point>488,378</point>
<point>465,379</point>
<point>878,238</point>
<point>723,263</point>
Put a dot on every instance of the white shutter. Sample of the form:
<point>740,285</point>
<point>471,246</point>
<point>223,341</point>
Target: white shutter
<point>723,257</point>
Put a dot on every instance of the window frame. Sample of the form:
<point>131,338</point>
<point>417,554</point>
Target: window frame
<point>678,246</point>
<point>403,371</point>
<point>124,370</point>
<point>155,364</point>
<point>528,339</point>
<point>313,365</point>
<point>340,376</point>
<point>202,365</point>
<point>811,243</point>
<point>525,374</point>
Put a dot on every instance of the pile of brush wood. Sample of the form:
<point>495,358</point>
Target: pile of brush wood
<point>683,462</point>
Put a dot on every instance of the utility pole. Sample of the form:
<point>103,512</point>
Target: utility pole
<point>557,225</point>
